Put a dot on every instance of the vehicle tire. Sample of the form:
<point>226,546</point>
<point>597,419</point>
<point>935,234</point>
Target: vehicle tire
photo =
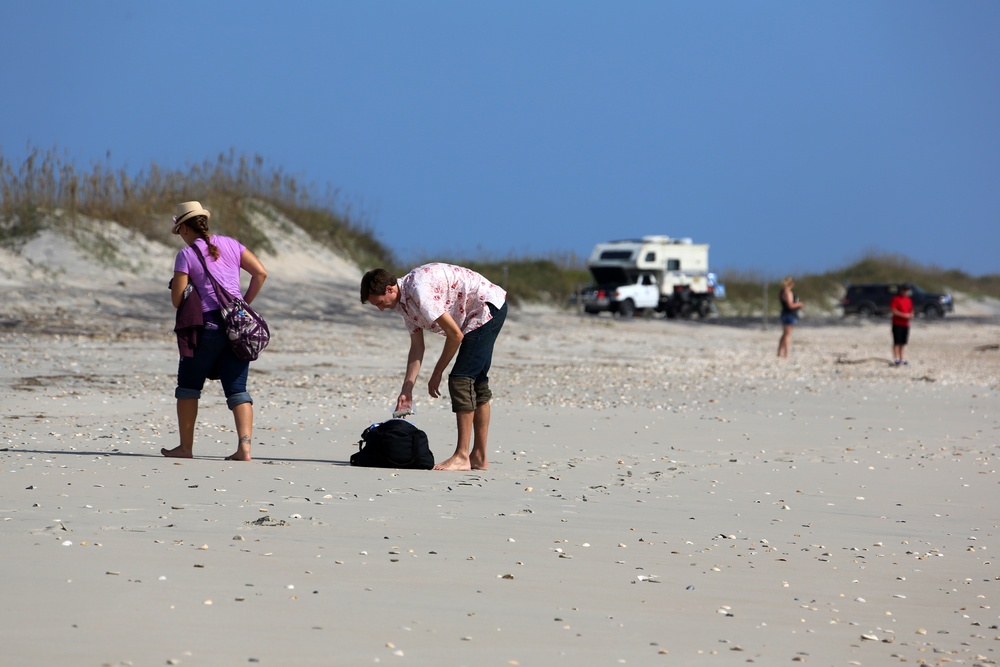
<point>704,308</point>
<point>592,311</point>
<point>933,312</point>
<point>866,310</point>
<point>626,309</point>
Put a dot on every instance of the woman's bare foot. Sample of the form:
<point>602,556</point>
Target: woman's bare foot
<point>242,450</point>
<point>177,452</point>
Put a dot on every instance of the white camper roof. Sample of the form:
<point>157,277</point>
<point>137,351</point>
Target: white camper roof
<point>655,238</point>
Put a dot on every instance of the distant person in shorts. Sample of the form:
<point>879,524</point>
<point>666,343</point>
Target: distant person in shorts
<point>790,307</point>
<point>901,307</point>
<point>469,311</point>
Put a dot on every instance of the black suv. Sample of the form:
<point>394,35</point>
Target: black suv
<point>868,300</point>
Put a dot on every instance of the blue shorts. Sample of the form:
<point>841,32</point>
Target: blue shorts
<point>468,382</point>
<point>789,319</point>
<point>476,352</point>
<point>213,358</point>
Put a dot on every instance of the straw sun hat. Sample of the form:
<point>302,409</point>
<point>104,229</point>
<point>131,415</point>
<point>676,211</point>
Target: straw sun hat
<point>188,209</point>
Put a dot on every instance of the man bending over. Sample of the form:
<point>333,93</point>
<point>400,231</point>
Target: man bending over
<point>469,311</point>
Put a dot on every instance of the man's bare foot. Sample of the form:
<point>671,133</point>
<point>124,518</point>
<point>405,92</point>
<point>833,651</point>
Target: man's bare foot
<point>239,456</point>
<point>455,462</point>
<point>477,458</point>
<point>177,452</point>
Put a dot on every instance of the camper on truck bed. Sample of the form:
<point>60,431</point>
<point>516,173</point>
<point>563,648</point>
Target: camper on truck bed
<point>651,274</point>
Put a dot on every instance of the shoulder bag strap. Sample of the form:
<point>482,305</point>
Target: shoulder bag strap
<point>220,292</point>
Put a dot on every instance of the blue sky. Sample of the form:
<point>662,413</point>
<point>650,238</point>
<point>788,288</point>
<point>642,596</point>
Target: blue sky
<point>791,136</point>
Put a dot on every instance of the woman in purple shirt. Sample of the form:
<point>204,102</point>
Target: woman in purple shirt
<point>212,356</point>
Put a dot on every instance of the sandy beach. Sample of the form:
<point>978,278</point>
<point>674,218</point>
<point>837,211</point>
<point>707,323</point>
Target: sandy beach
<point>659,492</point>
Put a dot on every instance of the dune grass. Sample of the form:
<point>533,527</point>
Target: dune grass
<point>822,292</point>
<point>32,190</point>
<point>552,279</point>
<point>46,181</point>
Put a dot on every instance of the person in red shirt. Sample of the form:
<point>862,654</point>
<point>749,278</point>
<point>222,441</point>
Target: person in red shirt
<point>902,312</point>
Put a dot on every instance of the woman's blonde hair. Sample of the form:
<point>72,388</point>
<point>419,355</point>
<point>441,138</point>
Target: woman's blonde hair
<point>788,281</point>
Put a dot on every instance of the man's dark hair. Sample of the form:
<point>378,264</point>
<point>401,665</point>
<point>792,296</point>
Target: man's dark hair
<point>374,283</point>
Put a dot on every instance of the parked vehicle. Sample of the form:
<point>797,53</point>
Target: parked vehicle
<point>651,274</point>
<point>873,299</point>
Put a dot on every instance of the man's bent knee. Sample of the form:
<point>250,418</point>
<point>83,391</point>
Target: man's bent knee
<point>482,392</point>
<point>462,392</point>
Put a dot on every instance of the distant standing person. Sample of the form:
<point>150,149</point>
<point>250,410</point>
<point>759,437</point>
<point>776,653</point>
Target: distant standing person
<point>790,307</point>
<point>204,345</point>
<point>469,311</point>
<point>901,307</point>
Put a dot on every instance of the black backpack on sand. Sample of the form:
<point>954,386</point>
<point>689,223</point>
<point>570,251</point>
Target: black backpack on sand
<point>395,443</point>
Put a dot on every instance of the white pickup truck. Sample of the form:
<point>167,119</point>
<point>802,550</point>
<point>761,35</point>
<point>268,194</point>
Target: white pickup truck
<point>626,299</point>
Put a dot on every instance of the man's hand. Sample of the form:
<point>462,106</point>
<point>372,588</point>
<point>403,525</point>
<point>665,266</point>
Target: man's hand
<point>434,385</point>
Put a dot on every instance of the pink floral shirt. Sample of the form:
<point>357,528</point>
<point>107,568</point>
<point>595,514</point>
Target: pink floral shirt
<point>429,291</point>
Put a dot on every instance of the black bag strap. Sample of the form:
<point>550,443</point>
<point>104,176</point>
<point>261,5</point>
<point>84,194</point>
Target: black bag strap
<point>219,289</point>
